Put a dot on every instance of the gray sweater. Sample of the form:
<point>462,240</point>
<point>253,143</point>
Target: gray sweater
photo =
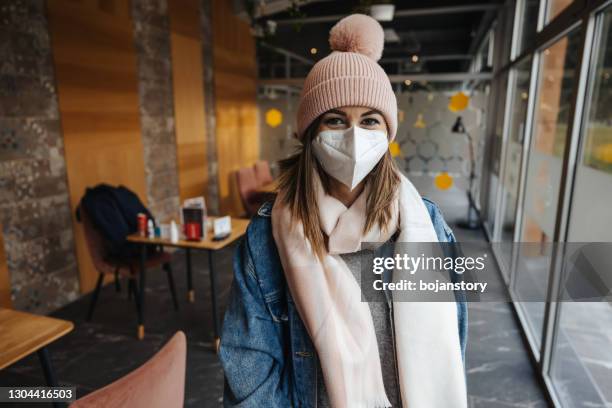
<point>382,325</point>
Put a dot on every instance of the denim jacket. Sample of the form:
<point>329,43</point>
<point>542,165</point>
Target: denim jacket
<point>266,352</point>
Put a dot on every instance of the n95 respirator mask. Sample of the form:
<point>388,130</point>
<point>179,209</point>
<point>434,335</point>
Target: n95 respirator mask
<point>349,155</point>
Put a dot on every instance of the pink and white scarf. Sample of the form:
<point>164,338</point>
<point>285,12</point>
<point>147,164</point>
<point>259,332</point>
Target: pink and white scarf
<point>328,299</point>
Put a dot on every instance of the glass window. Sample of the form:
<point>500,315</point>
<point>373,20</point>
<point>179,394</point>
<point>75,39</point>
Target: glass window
<point>499,123</point>
<point>502,34</point>
<point>506,31</point>
<point>483,55</point>
<point>514,155</point>
<point>598,138</point>
<point>553,103</point>
<point>582,363</point>
<point>496,145</point>
<point>528,23</point>
<point>555,7</point>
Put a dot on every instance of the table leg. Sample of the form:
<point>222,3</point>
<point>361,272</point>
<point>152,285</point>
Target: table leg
<point>190,291</point>
<point>48,371</point>
<point>213,295</point>
<point>141,300</point>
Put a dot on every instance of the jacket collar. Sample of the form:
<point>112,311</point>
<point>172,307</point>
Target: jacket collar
<point>266,209</point>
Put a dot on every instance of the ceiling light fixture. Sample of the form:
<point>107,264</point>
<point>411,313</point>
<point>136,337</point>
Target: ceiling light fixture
<point>382,12</point>
<point>407,82</point>
<point>414,58</point>
<point>313,50</point>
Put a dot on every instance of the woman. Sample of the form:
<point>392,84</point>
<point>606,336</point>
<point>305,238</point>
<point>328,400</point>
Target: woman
<point>296,332</point>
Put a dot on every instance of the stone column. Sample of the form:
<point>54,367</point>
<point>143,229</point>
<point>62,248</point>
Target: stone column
<point>34,202</point>
<point>152,45</point>
<point>209,106</point>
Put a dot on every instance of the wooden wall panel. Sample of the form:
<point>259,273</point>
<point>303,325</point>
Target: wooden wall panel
<point>188,87</point>
<point>5,281</point>
<point>96,77</point>
<point>235,101</point>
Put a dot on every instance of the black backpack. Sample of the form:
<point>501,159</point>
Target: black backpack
<point>113,212</point>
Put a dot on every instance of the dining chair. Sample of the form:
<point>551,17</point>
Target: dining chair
<point>107,265</point>
<point>158,383</point>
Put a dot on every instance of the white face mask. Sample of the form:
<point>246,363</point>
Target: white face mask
<point>349,155</point>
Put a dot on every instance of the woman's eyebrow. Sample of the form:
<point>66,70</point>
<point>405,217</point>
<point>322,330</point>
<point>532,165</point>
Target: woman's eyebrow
<point>371,112</point>
<point>337,112</point>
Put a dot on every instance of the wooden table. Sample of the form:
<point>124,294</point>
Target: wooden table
<point>209,245</point>
<point>271,187</point>
<point>22,334</point>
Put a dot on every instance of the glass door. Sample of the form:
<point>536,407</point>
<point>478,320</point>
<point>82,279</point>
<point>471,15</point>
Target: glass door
<point>513,161</point>
<point>496,147</point>
<point>558,65</point>
<point>581,365</point>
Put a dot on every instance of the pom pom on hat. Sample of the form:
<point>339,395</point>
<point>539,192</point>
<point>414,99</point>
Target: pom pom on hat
<point>358,33</point>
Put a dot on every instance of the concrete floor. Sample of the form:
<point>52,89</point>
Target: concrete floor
<point>499,373</point>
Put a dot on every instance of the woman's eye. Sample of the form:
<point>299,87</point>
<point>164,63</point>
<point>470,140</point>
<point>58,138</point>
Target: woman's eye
<point>334,121</point>
<point>370,122</point>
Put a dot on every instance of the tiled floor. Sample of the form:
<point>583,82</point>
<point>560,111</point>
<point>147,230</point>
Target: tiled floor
<point>583,369</point>
<point>96,353</point>
<point>499,372</point>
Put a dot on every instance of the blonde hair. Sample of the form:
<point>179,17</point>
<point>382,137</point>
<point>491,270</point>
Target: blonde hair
<point>297,190</point>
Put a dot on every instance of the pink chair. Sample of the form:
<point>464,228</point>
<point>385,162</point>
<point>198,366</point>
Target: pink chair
<point>158,383</point>
<point>262,172</point>
<point>121,268</point>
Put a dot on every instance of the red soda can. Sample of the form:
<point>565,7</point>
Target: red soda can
<point>193,231</point>
<point>142,224</point>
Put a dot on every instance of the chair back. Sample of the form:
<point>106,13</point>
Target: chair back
<point>95,243</point>
<point>262,172</point>
<point>247,184</point>
<point>158,383</point>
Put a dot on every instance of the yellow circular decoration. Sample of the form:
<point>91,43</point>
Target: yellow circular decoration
<point>604,153</point>
<point>443,181</point>
<point>395,149</point>
<point>458,102</point>
<point>274,117</point>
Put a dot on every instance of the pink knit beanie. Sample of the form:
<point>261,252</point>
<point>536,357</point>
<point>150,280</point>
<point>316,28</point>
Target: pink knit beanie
<point>350,75</point>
